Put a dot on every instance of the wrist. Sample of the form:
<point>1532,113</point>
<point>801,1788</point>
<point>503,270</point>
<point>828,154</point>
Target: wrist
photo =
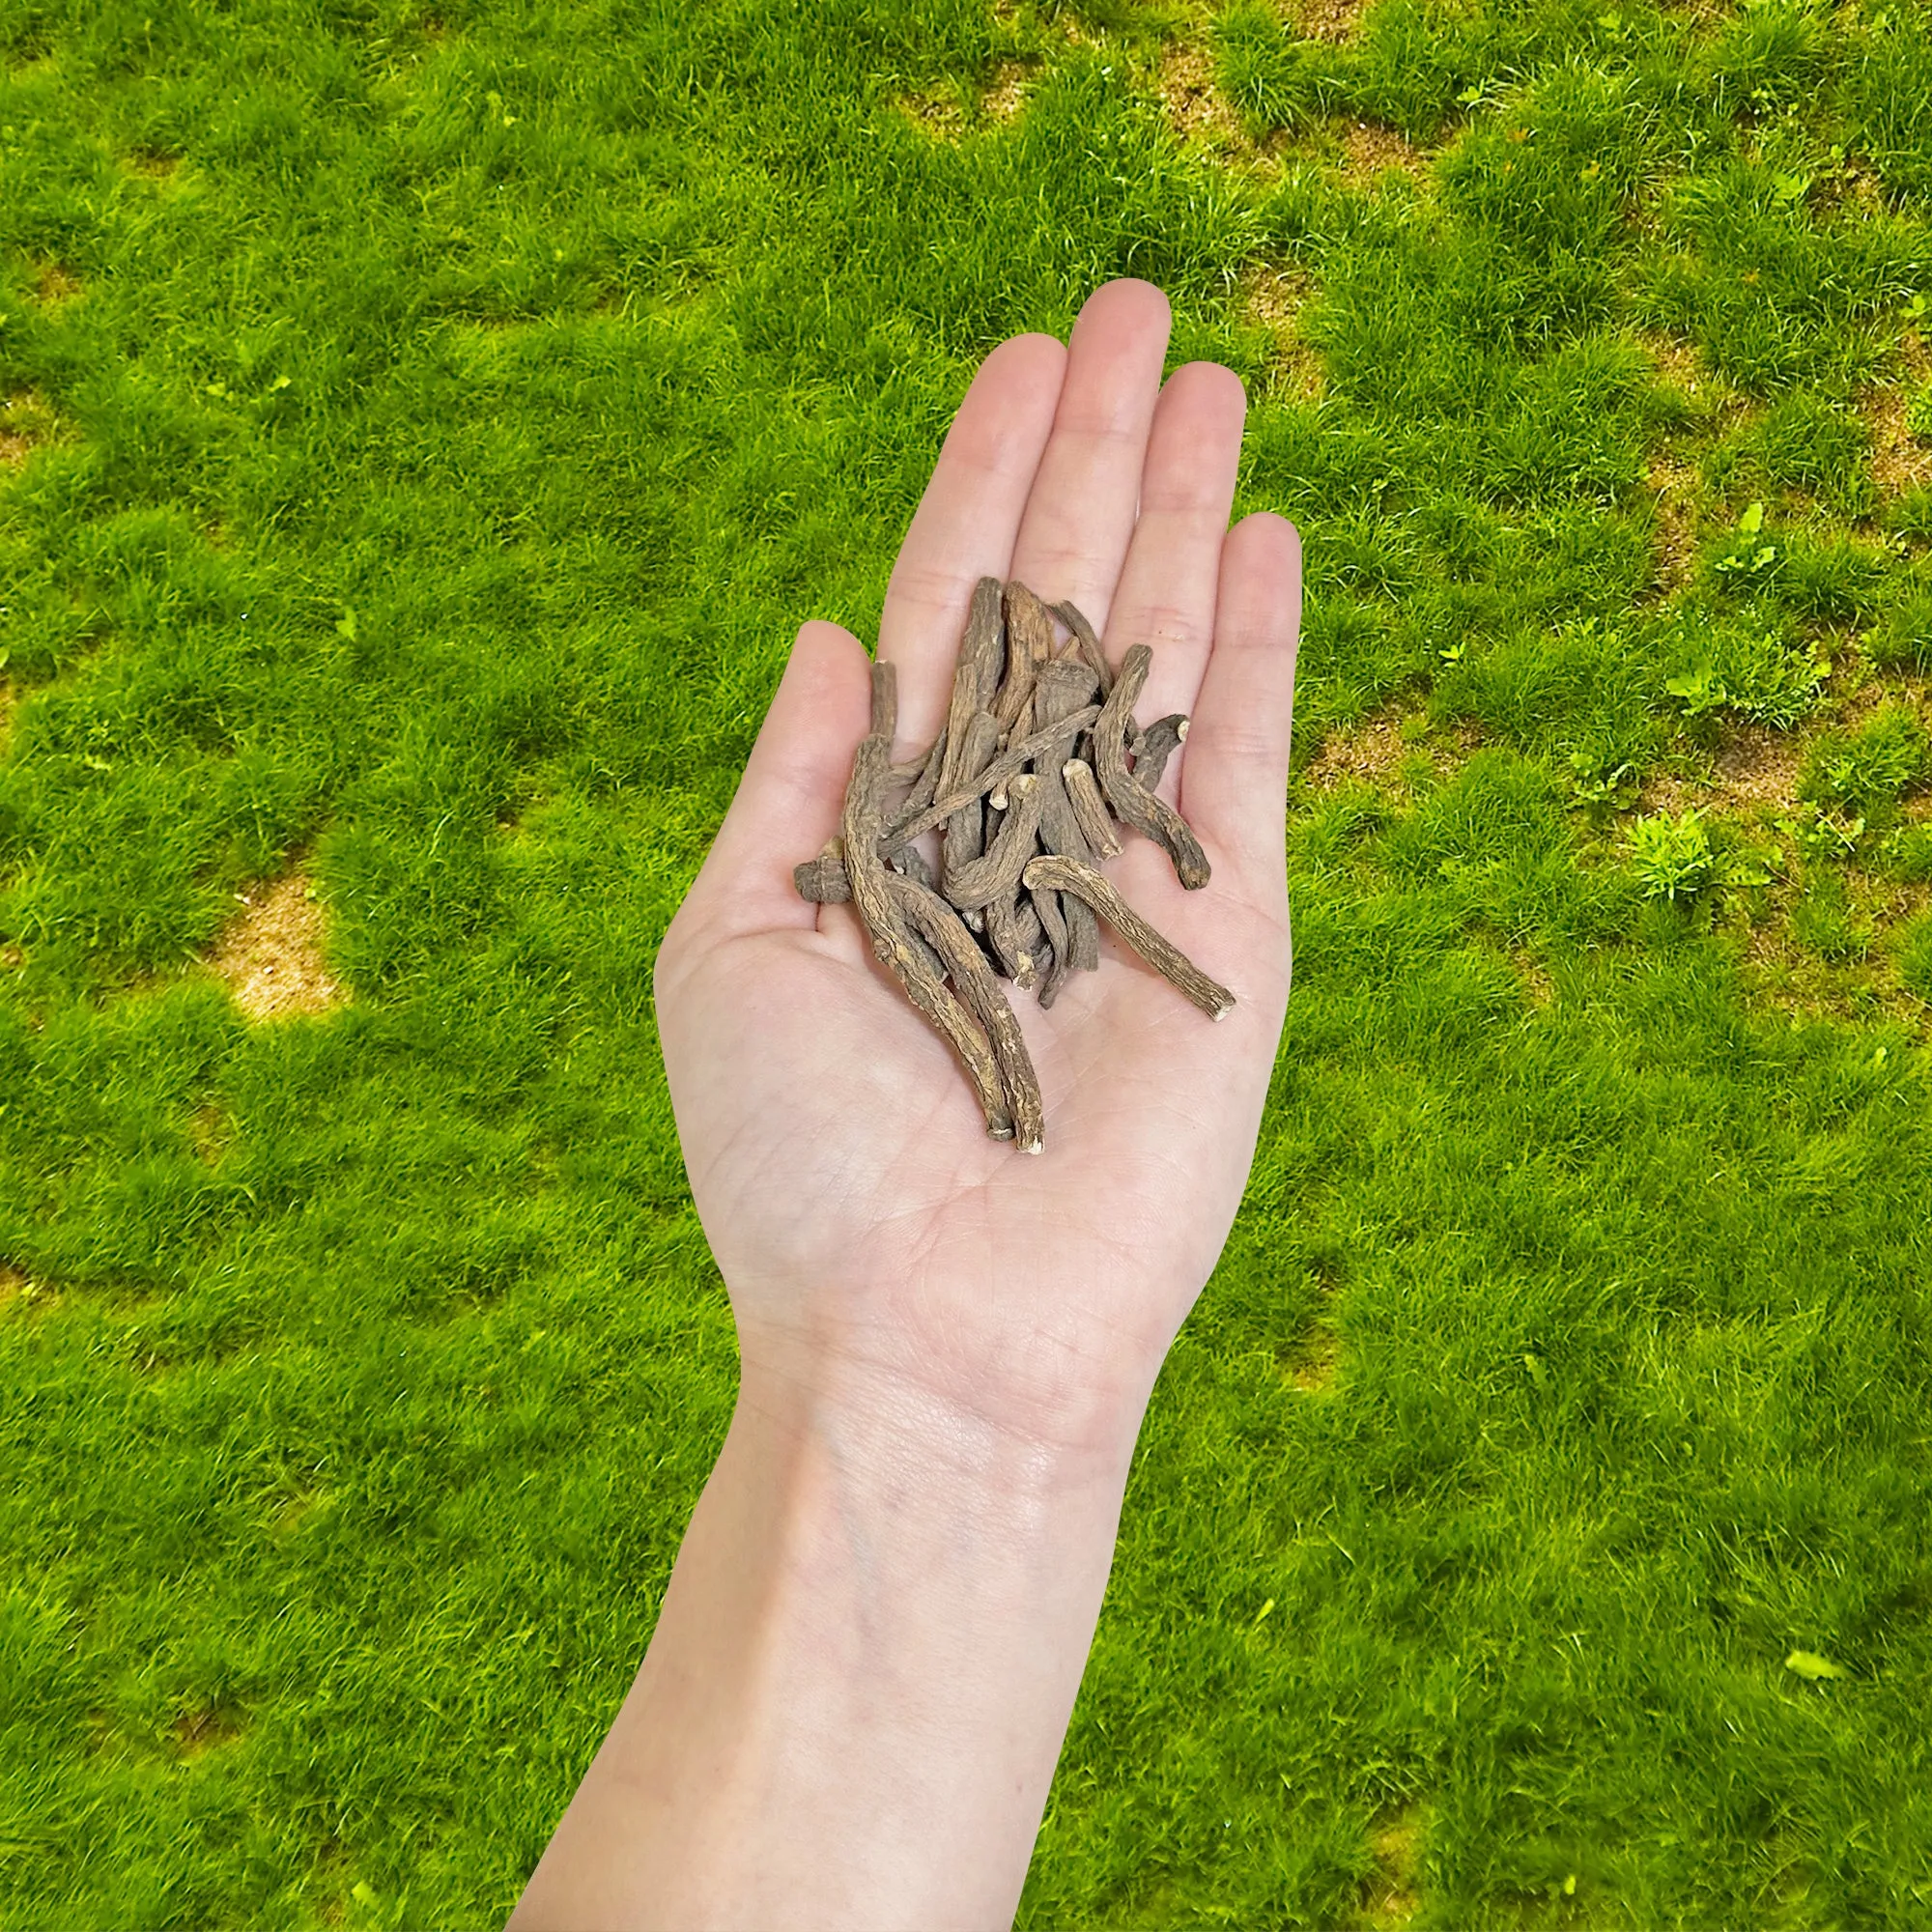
<point>1024,1438</point>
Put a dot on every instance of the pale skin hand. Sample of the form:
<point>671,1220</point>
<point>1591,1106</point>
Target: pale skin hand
<point>837,1156</point>
<point>947,1344</point>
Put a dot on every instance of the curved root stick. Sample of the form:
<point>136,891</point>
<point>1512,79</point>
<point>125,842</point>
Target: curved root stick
<point>1131,800</point>
<point>875,900</point>
<point>1069,875</point>
<point>942,928</point>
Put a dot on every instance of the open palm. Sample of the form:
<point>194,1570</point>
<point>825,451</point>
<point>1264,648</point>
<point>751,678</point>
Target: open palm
<point>859,1212</point>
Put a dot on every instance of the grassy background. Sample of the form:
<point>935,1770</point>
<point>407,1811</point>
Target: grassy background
<point>420,433</point>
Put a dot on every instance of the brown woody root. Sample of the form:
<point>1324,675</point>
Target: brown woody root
<point>1083,882</point>
<point>1027,782</point>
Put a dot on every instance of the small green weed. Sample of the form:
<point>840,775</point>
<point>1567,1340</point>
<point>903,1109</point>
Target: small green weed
<point>1746,553</point>
<point>1823,835</point>
<point>1672,857</point>
<point>1679,857</point>
<point>1870,768</point>
<point>1600,787</point>
<point>1724,665</point>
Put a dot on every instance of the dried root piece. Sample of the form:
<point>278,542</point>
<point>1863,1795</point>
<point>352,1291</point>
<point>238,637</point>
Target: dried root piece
<point>1009,765</point>
<point>976,674</point>
<point>1053,937</point>
<point>1086,642</point>
<point>1131,800</point>
<point>822,880</point>
<point>1151,749</point>
<point>935,922</point>
<point>1014,933</point>
<point>903,951</point>
<point>1083,931</point>
<point>1083,882</point>
<point>1060,688</point>
<point>1029,646</point>
<point>965,827</point>
<point>995,873</point>
<point>1090,809</point>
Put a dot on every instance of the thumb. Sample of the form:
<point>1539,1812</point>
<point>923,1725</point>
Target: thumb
<point>788,801</point>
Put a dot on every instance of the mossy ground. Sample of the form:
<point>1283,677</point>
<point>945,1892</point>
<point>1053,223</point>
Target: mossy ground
<point>421,429</point>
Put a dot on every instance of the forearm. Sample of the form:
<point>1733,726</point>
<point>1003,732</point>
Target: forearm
<point>859,1683</point>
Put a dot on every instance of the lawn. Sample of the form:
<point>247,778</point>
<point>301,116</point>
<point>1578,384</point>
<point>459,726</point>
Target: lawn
<point>422,429</point>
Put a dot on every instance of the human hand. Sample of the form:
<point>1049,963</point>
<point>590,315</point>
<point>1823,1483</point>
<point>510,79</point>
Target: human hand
<point>868,1230</point>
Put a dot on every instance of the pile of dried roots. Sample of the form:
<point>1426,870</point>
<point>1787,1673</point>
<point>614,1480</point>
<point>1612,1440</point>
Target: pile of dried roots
<point>1038,761</point>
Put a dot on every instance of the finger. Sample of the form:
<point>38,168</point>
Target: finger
<point>1080,515</point>
<point>965,525</point>
<point>788,801</point>
<point>1233,787</point>
<point>1171,580</point>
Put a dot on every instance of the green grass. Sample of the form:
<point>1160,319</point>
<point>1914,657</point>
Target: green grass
<point>420,433</point>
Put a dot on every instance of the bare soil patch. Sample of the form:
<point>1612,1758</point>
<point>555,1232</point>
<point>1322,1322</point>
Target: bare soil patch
<point>1681,364</point>
<point>1673,487</point>
<point>1002,100</point>
<point>1329,19</point>
<point>1390,1898</point>
<point>271,956</point>
<point>25,424</point>
<point>1274,297</point>
<point>1374,750</point>
<point>1315,1362</point>
<point>1777,973</point>
<point>1370,148</point>
<point>152,164</point>
<point>1900,460</point>
<point>211,1133</point>
<point>1758,766</point>
<point>55,284</point>
<point>14,1285</point>
<point>938,111</point>
<point>196,1732</point>
<point>1183,83</point>
<point>1753,769</point>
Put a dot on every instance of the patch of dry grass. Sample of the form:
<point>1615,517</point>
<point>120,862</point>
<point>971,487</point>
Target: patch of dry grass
<point>196,1733</point>
<point>939,112</point>
<point>1753,769</point>
<point>1183,85</point>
